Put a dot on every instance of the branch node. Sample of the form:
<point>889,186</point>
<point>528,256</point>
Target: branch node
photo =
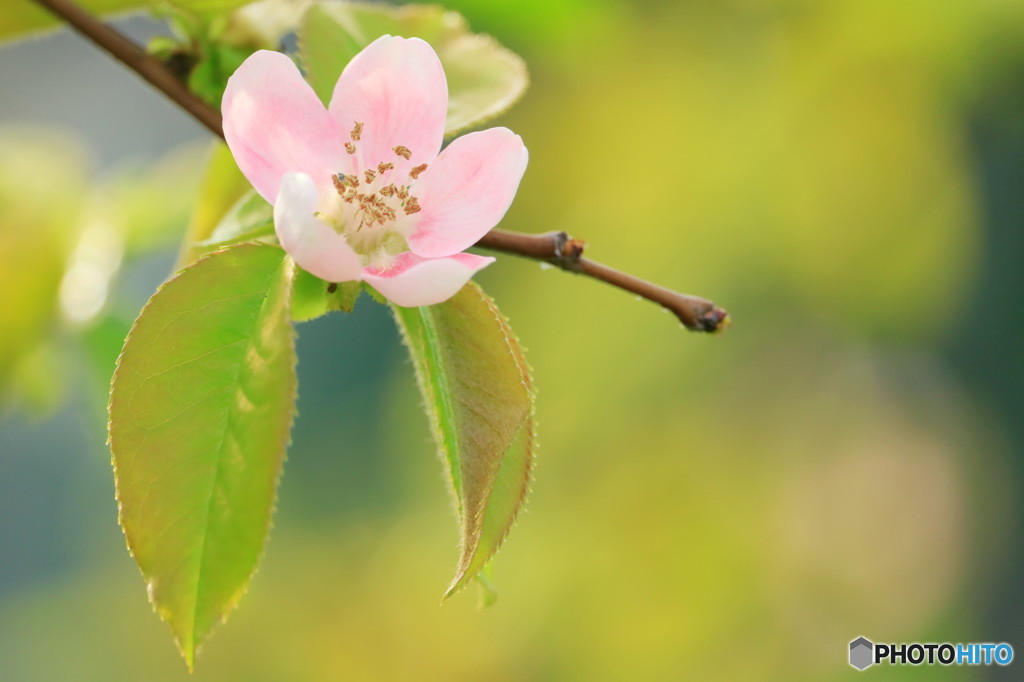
<point>568,251</point>
<point>698,314</point>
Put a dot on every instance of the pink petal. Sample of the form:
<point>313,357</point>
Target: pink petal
<point>311,243</point>
<point>467,190</point>
<point>274,124</point>
<point>397,89</point>
<point>414,281</point>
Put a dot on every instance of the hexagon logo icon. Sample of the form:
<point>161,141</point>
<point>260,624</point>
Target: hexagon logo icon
<point>861,653</point>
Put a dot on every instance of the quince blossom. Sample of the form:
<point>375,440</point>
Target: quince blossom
<point>361,189</point>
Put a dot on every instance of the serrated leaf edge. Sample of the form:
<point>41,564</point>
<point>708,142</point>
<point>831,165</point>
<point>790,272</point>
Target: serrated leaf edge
<point>512,343</point>
<point>189,653</point>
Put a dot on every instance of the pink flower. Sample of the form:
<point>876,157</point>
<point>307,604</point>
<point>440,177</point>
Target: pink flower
<point>359,189</point>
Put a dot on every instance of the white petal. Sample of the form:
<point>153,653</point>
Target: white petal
<point>316,247</point>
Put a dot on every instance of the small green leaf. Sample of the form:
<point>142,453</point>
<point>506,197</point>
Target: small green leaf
<point>200,410</point>
<point>484,78</point>
<point>26,17</point>
<point>314,297</point>
<point>479,396</point>
<point>209,77</point>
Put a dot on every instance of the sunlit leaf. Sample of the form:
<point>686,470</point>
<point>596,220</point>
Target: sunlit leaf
<point>479,396</point>
<point>26,17</point>
<point>484,78</point>
<point>200,409</point>
<point>223,188</point>
<point>249,218</point>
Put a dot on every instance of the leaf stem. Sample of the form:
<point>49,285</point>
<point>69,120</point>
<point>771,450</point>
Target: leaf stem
<point>556,248</point>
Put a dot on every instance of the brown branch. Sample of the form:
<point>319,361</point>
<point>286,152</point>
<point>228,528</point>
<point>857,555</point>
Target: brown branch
<point>560,250</point>
<point>136,59</point>
<point>556,248</point>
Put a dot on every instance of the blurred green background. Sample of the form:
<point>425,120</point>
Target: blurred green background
<point>846,177</point>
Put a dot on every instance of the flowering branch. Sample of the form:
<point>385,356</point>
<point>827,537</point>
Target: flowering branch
<point>556,248</point>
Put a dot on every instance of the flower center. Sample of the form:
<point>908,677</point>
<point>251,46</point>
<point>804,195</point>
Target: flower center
<point>369,205</point>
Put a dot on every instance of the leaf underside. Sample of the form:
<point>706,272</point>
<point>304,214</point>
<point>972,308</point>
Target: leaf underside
<point>479,395</point>
<point>484,78</point>
<point>200,410</point>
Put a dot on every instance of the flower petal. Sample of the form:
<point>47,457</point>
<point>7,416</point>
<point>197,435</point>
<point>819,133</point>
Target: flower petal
<point>467,191</point>
<point>414,281</point>
<point>315,246</point>
<point>274,124</point>
<point>397,89</point>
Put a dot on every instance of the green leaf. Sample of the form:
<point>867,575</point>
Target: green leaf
<point>314,297</point>
<point>223,190</point>
<point>200,409</point>
<point>26,17</point>
<point>484,78</point>
<point>209,78</point>
<point>479,395</point>
<point>251,217</point>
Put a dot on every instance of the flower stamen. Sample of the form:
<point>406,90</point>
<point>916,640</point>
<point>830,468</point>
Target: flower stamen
<point>412,205</point>
<point>375,206</point>
<point>342,181</point>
